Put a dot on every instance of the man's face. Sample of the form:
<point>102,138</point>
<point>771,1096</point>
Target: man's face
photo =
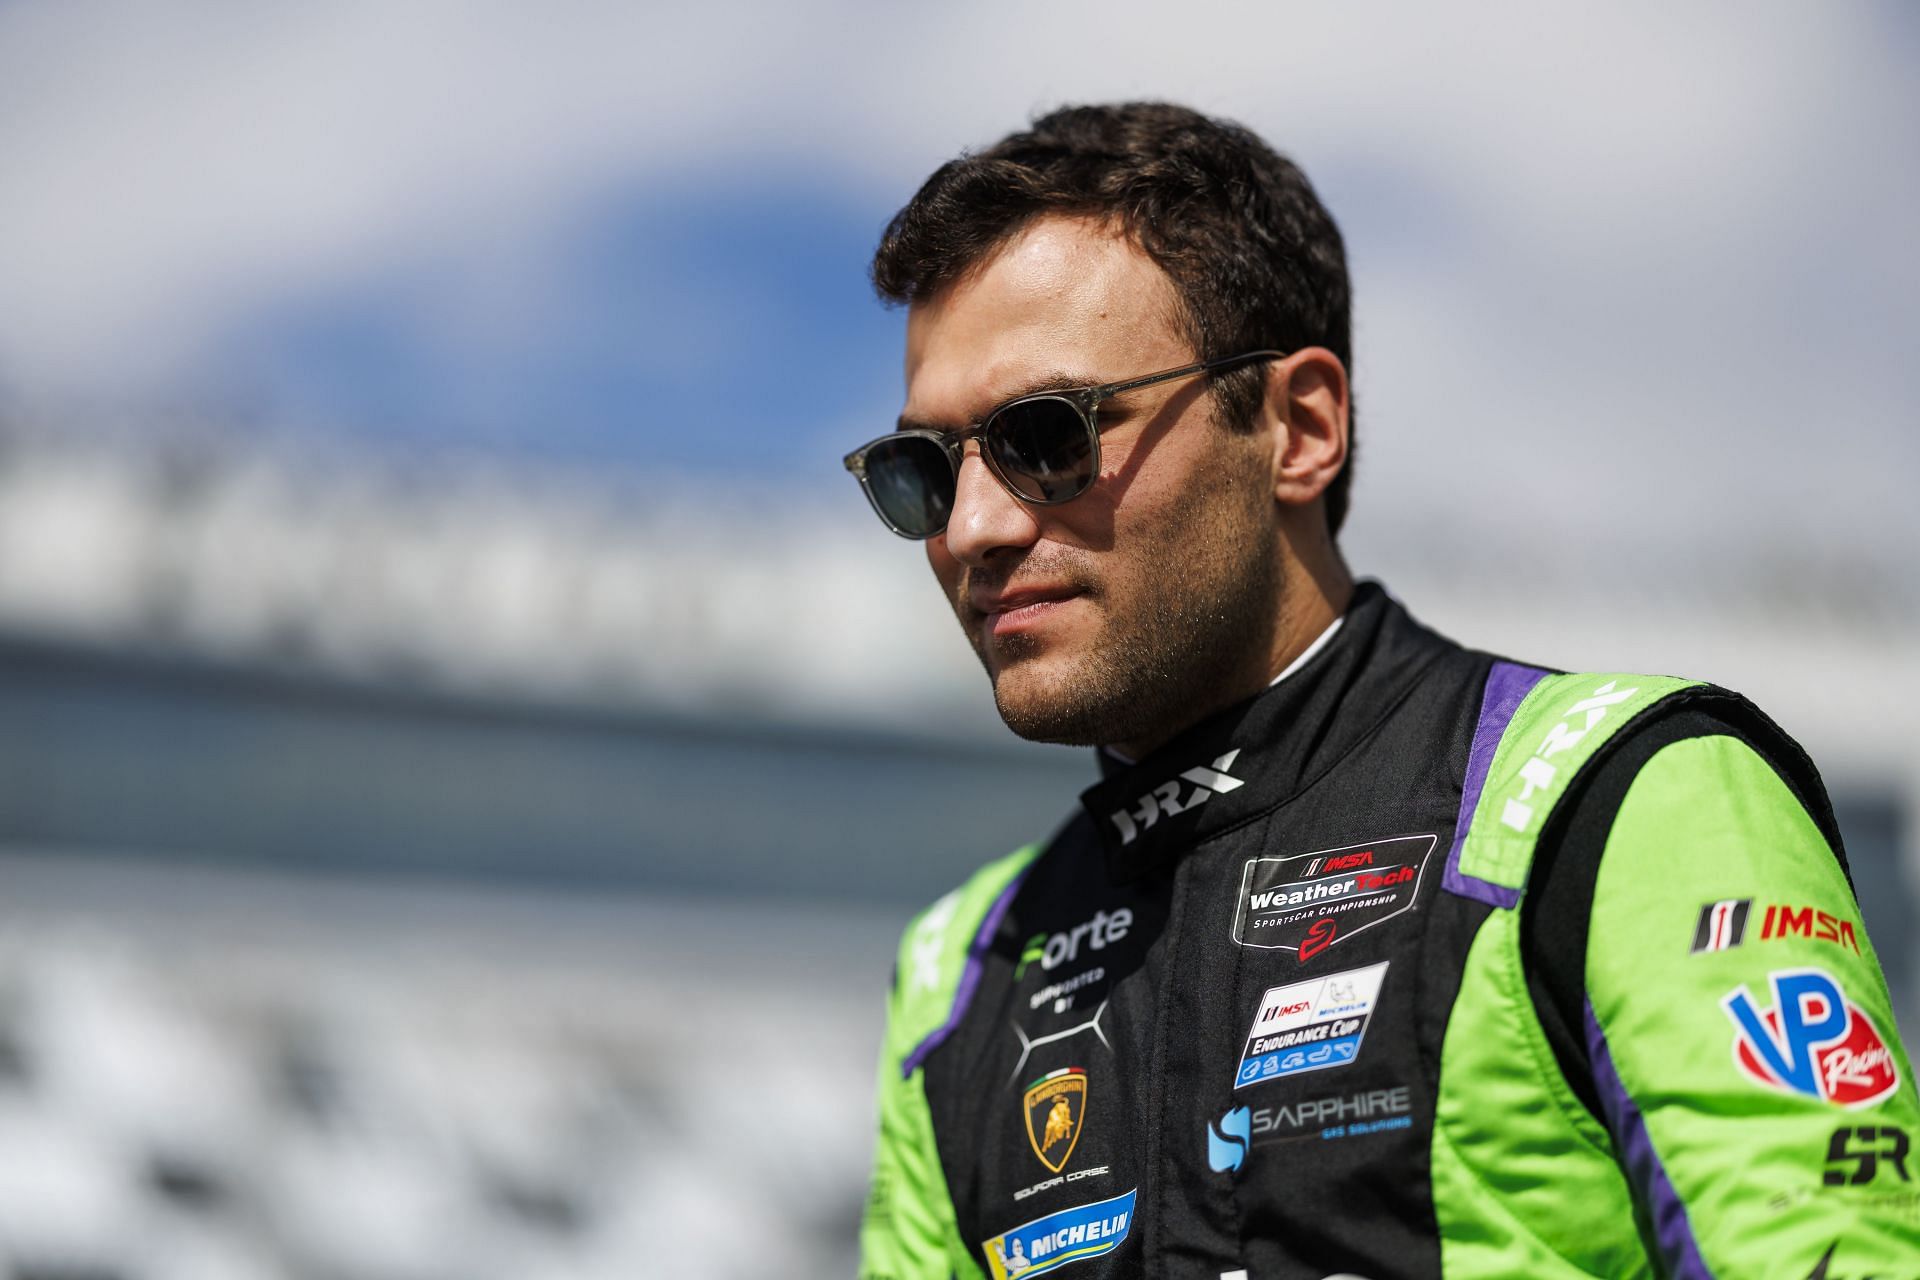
<point>1125,614</point>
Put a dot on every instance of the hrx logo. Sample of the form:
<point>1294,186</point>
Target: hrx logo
<point>1166,799</point>
<point>1539,771</point>
<point>1811,1042</point>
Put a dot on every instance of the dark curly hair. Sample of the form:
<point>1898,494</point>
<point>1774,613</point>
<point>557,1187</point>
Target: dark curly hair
<point>1254,256</point>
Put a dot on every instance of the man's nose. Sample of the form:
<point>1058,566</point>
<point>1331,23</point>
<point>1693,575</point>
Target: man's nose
<point>985,516</point>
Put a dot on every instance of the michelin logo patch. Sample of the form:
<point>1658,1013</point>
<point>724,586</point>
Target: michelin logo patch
<point>1309,1025</point>
<point>1070,1235</point>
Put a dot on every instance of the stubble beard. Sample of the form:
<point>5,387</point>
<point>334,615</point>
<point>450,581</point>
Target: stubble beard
<point>1195,638</point>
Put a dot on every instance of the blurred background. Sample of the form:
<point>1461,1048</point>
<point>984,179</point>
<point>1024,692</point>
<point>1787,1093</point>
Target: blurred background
<point>466,748</point>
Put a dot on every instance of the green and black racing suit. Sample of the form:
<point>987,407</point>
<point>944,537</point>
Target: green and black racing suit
<point>1419,963</point>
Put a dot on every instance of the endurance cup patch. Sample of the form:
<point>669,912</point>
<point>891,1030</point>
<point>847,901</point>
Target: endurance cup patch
<point>1307,1026</point>
<point>1071,1235</point>
<point>1308,902</point>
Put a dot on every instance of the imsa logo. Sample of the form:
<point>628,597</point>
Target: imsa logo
<point>1723,925</point>
<point>1056,1111</point>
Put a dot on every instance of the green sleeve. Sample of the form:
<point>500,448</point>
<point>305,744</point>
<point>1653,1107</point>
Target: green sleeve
<point>1741,1034</point>
<point>908,1231</point>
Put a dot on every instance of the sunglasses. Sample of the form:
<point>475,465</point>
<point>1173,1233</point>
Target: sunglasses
<point>1043,449</point>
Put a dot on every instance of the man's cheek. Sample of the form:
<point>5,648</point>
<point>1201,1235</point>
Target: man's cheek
<point>946,570</point>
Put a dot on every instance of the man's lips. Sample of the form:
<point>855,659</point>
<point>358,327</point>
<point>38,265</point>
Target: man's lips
<point>1004,611</point>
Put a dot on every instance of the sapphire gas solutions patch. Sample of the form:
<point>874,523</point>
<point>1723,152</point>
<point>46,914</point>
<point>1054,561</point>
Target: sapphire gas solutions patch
<point>1307,1026</point>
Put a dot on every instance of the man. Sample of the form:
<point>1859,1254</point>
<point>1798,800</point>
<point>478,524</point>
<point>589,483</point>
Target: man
<point>1370,955</point>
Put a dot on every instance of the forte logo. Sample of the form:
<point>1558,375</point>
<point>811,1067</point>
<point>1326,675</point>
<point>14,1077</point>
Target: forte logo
<point>1812,1041</point>
<point>1051,951</point>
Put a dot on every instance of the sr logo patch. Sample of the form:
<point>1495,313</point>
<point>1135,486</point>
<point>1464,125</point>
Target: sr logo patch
<point>1811,1042</point>
<point>1311,901</point>
<point>1857,1156</point>
<point>1056,1110</point>
<point>1311,1025</point>
<point>1071,1235</point>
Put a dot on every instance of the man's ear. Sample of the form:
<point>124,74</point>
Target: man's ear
<point>1306,410</point>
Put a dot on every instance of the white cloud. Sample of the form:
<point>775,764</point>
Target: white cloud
<point>1627,239</point>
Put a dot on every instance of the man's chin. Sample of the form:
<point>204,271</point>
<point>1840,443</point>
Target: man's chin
<point>1043,701</point>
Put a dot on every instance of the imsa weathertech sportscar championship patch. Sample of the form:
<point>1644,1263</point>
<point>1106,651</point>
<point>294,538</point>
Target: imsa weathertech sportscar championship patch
<point>1310,901</point>
<point>1307,1026</point>
<point>1071,1235</point>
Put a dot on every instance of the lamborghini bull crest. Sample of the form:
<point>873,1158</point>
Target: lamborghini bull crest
<point>1056,1111</point>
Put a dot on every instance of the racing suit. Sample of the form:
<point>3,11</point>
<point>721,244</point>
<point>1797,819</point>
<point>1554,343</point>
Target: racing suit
<point>1419,963</point>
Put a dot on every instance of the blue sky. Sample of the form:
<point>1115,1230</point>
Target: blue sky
<point>699,324</point>
<point>1652,256</point>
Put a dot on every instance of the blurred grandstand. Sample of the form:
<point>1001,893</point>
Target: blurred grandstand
<point>424,870</point>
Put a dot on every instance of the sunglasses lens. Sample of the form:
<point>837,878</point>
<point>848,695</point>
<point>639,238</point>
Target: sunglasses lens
<point>910,480</point>
<point>1043,448</point>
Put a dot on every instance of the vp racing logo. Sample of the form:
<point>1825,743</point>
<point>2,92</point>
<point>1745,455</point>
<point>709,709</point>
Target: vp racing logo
<point>1166,799</point>
<point>1811,1042</point>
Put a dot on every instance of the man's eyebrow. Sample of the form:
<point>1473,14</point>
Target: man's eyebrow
<point>1056,380</point>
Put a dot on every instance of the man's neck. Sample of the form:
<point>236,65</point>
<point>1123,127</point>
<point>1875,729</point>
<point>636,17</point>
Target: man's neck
<point>1312,605</point>
<point>1306,655</point>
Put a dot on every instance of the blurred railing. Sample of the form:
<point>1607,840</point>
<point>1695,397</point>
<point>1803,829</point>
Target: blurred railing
<point>431,869</point>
